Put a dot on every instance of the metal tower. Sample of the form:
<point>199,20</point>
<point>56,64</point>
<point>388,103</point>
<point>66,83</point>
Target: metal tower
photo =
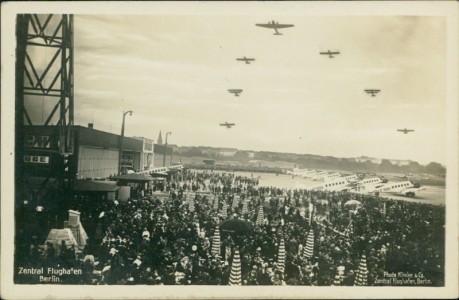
<point>44,96</point>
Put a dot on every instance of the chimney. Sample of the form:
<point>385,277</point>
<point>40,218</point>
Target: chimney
<point>91,125</point>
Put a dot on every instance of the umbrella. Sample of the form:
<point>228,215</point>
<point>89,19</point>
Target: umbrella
<point>308,251</point>
<point>216,203</point>
<point>352,202</point>
<point>281,256</point>
<point>224,210</point>
<point>235,276</point>
<point>235,225</point>
<point>216,242</point>
<point>362,273</point>
<point>261,217</point>
<point>191,204</point>
<point>56,236</point>
<point>244,208</point>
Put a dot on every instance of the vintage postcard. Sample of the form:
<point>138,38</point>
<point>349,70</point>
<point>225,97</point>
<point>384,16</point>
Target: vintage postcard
<point>229,150</point>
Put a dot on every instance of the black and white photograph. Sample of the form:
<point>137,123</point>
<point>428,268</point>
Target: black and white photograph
<point>199,149</point>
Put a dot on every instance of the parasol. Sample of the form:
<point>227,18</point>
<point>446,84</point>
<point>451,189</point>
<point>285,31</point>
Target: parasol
<point>235,225</point>
<point>352,202</point>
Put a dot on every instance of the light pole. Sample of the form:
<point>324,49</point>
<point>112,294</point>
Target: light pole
<point>122,140</point>
<point>165,149</point>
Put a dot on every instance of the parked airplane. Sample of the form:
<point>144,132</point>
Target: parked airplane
<point>247,60</point>
<point>329,177</point>
<point>405,131</point>
<point>236,92</point>
<point>366,185</point>
<point>352,178</point>
<point>309,174</point>
<point>330,53</point>
<point>405,188</point>
<point>319,175</point>
<point>162,170</point>
<point>297,172</point>
<point>337,184</point>
<point>373,92</point>
<point>228,125</point>
<point>275,25</point>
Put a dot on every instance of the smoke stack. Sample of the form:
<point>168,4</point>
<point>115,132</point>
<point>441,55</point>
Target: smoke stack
<point>91,125</point>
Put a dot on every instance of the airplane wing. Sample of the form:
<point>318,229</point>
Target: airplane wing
<point>283,25</point>
<point>275,26</point>
<point>267,25</point>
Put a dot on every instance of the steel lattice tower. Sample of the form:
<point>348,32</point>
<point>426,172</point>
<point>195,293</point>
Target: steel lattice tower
<point>45,97</point>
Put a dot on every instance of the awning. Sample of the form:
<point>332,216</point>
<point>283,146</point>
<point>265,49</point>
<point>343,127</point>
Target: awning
<point>93,186</point>
<point>134,178</point>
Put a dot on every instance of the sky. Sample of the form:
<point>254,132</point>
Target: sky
<point>174,72</point>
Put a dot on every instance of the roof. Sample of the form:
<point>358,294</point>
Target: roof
<point>133,177</point>
<point>93,186</point>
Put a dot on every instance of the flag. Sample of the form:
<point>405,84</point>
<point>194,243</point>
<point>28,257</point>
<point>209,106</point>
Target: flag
<point>235,276</point>
<point>362,273</point>
<point>281,256</point>
<point>261,217</point>
<point>308,250</point>
<point>216,242</point>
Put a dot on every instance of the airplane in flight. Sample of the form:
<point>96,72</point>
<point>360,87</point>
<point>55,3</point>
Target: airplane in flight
<point>228,125</point>
<point>236,92</point>
<point>330,53</point>
<point>247,60</point>
<point>275,25</point>
<point>405,131</point>
<point>373,92</point>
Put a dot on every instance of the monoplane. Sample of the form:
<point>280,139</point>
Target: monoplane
<point>275,25</point>
<point>247,60</point>
<point>228,125</point>
<point>373,92</point>
<point>405,131</point>
<point>236,92</point>
<point>330,53</point>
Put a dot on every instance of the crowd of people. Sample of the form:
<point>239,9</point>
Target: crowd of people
<point>168,241</point>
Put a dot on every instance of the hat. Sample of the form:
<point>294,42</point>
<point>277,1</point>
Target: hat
<point>258,249</point>
<point>194,248</point>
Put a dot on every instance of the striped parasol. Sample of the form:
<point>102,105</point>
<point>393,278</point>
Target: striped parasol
<point>337,280</point>
<point>224,211</point>
<point>362,273</point>
<point>216,242</point>
<point>261,217</point>
<point>308,250</point>
<point>235,276</point>
<point>216,202</point>
<point>235,202</point>
<point>339,275</point>
<point>244,207</point>
<point>281,256</point>
<point>191,204</point>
